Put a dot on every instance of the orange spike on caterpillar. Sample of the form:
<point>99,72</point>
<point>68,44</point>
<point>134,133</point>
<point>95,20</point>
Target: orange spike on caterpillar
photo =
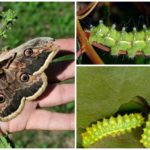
<point>112,126</point>
<point>131,42</point>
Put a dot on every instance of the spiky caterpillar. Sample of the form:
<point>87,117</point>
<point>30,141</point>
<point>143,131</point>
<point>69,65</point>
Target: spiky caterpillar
<point>131,42</point>
<point>112,126</point>
<point>146,135</point>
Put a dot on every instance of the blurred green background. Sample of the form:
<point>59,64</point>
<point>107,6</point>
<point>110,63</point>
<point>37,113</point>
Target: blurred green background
<point>36,19</point>
<point>39,19</point>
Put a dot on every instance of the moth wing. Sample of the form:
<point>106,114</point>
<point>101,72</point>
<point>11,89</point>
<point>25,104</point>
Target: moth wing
<point>16,93</point>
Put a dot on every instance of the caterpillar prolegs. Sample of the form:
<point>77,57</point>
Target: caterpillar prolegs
<point>131,42</point>
<point>112,126</point>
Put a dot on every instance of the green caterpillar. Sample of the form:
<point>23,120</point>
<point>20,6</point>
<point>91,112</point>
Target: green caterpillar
<point>146,135</point>
<point>131,42</point>
<point>112,126</point>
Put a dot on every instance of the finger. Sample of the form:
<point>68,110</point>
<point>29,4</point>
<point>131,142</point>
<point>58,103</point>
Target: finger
<point>66,44</point>
<point>60,94</point>
<point>60,71</point>
<point>44,120</point>
<point>19,122</point>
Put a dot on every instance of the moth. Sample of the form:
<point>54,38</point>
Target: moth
<point>121,42</point>
<point>112,126</point>
<point>22,76</point>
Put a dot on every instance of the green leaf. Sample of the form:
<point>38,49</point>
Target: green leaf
<point>137,104</point>
<point>4,142</point>
<point>7,19</point>
<point>101,91</point>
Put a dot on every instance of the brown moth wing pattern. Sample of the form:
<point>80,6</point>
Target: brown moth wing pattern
<point>22,74</point>
<point>18,92</point>
<point>35,55</point>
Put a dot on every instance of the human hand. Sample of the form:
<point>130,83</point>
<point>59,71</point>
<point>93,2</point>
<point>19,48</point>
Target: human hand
<point>33,116</point>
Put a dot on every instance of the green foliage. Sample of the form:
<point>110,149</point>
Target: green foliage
<point>4,142</point>
<point>7,19</point>
<point>36,19</point>
<point>44,139</point>
<point>102,91</point>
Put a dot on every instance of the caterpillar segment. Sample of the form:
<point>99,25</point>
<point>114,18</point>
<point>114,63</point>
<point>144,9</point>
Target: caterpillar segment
<point>134,43</point>
<point>145,140</point>
<point>112,126</point>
